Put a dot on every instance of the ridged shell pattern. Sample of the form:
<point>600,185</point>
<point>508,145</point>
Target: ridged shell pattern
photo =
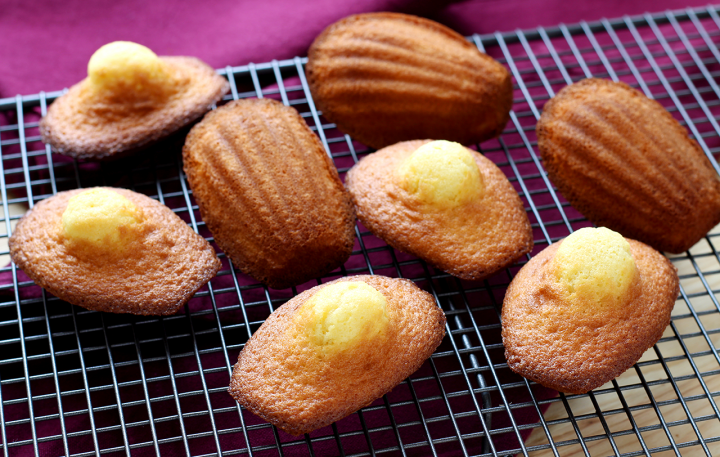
<point>386,77</point>
<point>624,162</point>
<point>269,193</point>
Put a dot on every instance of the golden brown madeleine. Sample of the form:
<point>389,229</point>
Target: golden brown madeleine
<point>139,258</point>
<point>625,163</point>
<point>97,120</point>
<point>269,193</point>
<point>389,77</point>
<point>564,327</point>
<point>471,240</point>
<point>306,368</point>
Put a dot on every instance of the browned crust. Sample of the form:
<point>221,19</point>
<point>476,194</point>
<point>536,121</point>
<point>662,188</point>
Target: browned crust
<point>269,193</point>
<point>387,85</point>
<point>159,274</point>
<point>85,127</point>
<point>293,388</point>
<point>559,346</point>
<point>470,242</point>
<point>625,163</point>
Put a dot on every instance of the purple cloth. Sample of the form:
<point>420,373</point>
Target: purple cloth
<point>45,45</point>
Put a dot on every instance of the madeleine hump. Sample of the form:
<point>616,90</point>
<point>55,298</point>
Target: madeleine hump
<point>625,163</point>
<point>269,193</point>
<point>390,77</point>
<point>334,349</point>
<point>112,250</point>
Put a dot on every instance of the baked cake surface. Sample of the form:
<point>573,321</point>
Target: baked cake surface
<point>269,193</point>
<point>89,124</point>
<point>390,77</point>
<point>625,163</point>
<point>284,376</point>
<point>562,340</point>
<point>153,268</point>
<point>471,240</point>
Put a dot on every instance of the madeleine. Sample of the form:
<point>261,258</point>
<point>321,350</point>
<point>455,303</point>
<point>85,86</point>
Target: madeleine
<point>112,250</point>
<point>334,349</point>
<point>390,77</point>
<point>269,193</point>
<point>585,309</point>
<point>625,163</point>
<point>444,203</point>
<point>131,99</point>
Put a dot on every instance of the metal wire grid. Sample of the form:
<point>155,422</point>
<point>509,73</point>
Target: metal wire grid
<point>76,382</point>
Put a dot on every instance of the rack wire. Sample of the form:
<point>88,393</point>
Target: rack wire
<point>82,383</point>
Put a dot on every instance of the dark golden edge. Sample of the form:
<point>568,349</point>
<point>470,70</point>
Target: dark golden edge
<point>235,389</point>
<point>100,305</point>
<point>99,151</point>
<point>575,386</point>
<point>421,22</point>
<point>225,243</point>
<point>551,160</point>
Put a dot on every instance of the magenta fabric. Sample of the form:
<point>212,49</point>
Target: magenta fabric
<point>45,45</point>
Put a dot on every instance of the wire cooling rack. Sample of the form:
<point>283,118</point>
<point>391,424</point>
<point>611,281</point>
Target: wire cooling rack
<point>76,382</point>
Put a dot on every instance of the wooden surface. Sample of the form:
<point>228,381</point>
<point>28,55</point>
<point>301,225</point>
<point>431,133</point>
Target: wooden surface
<point>15,209</point>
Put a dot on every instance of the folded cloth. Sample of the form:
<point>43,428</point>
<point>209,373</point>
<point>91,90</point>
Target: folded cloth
<point>45,45</point>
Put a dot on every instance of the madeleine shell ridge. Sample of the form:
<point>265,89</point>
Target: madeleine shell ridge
<point>549,341</point>
<point>286,383</point>
<point>83,127</point>
<point>390,77</point>
<point>625,163</point>
<point>159,274</point>
<point>471,242</point>
<point>269,193</point>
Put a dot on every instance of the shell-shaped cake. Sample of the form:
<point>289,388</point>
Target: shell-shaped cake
<point>389,77</point>
<point>131,99</point>
<point>112,250</point>
<point>269,193</point>
<point>444,203</point>
<point>625,163</point>
<point>334,349</point>
<point>585,309</point>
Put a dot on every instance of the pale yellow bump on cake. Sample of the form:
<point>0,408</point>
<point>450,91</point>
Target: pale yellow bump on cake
<point>441,174</point>
<point>584,310</point>
<point>129,69</point>
<point>344,315</point>
<point>595,267</point>
<point>102,219</point>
